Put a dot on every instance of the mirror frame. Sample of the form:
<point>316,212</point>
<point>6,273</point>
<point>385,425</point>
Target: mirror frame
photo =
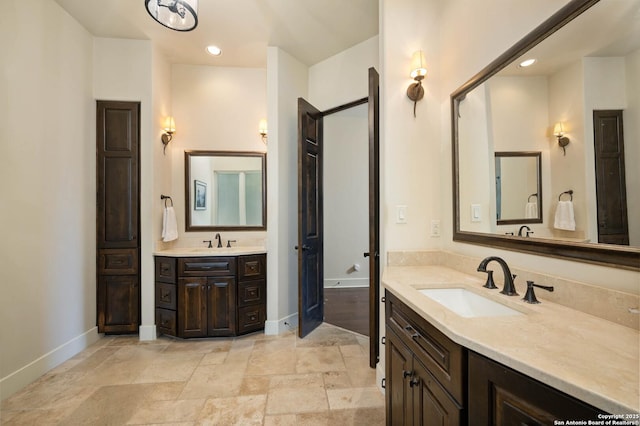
<point>537,155</point>
<point>187,188</point>
<point>602,254</point>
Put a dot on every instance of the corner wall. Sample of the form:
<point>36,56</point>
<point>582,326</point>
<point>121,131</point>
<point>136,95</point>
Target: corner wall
<point>47,182</point>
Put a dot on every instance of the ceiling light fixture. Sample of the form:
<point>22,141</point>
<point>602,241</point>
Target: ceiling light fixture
<point>527,63</point>
<point>214,50</point>
<point>179,15</point>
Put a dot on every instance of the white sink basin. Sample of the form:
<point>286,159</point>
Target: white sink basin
<point>468,304</point>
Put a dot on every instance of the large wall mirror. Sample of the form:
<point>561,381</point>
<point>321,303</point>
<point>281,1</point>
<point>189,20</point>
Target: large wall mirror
<point>225,190</point>
<point>586,77</point>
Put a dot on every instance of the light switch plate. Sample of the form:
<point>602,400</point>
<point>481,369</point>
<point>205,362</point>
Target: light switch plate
<point>476,213</point>
<point>401,214</point>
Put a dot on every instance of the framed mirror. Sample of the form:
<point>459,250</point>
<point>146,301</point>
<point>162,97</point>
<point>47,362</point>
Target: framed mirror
<point>518,198</point>
<point>225,191</point>
<point>580,74</point>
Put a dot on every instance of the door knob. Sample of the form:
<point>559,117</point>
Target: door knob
<point>304,247</point>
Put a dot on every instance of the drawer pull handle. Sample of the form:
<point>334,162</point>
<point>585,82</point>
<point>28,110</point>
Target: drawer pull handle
<point>408,328</point>
<point>415,336</point>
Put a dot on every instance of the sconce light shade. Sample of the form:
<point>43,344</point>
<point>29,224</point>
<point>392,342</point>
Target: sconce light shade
<point>169,130</point>
<point>415,91</point>
<point>262,129</point>
<point>179,15</point>
<point>563,141</point>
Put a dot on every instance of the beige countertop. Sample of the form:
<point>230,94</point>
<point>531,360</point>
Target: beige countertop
<point>208,252</point>
<point>592,359</point>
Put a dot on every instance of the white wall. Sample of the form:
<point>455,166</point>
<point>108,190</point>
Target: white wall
<point>215,109</point>
<point>287,79</point>
<point>47,182</point>
<point>632,144</point>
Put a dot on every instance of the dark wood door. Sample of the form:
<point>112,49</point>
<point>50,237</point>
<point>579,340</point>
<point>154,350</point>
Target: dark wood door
<point>221,306</point>
<point>374,217</point>
<point>192,307</point>
<point>117,216</point>
<point>310,244</point>
<point>611,191</point>
<point>399,370</point>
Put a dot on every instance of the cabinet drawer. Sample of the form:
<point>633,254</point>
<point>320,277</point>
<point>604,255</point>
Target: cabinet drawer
<point>166,321</point>
<point>251,318</point>
<point>166,296</point>
<point>250,267</point>
<point>166,269</point>
<point>118,261</point>
<point>206,266</point>
<point>252,292</point>
<point>445,359</point>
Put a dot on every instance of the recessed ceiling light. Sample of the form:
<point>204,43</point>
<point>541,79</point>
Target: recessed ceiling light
<point>214,50</point>
<point>527,63</point>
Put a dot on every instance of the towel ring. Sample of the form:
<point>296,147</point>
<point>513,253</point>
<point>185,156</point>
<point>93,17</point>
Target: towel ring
<point>570,192</point>
<point>532,195</point>
<point>165,198</point>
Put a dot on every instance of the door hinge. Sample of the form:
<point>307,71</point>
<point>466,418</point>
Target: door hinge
<point>383,340</point>
<point>383,383</point>
<point>383,299</point>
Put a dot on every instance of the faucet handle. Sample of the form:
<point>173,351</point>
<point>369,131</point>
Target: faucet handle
<point>208,241</point>
<point>490,283</point>
<point>530,297</point>
<point>229,242</point>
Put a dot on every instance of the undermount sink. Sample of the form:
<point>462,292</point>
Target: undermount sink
<point>467,303</point>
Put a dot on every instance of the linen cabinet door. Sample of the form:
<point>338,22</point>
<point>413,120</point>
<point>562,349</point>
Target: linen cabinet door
<point>192,307</point>
<point>221,305</point>
<point>118,303</point>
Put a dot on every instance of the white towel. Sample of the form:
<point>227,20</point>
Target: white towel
<point>169,225</point>
<point>564,216</point>
<point>531,211</point>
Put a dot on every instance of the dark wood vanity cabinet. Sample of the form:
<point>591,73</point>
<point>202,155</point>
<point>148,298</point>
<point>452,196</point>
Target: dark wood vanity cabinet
<point>425,371</point>
<point>431,380</point>
<point>499,395</point>
<point>210,296</point>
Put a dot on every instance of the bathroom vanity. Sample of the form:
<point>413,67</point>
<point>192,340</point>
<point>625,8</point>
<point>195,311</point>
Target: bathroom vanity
<point>533,365</point>
<point>210,292</point>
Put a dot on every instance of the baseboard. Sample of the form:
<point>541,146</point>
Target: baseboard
<point>32,371</point>
<point>147,332</point>
<point>282,325</point>
<point>345,282</point>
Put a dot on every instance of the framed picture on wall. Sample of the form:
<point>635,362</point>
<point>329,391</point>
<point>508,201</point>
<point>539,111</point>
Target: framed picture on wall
<point>200,195</point>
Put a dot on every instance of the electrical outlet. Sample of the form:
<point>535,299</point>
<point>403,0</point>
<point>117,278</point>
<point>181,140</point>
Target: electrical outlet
<point>435,228</point>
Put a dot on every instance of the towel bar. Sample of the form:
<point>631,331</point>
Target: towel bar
<point>165,198</point>
<point>570,192</point>
<point>532,195</point>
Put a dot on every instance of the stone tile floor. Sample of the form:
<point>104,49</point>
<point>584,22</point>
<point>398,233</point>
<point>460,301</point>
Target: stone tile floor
<point>323,379</point>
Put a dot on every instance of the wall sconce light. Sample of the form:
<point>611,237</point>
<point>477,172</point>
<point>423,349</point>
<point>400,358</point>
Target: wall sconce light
<point>169,130</point>
<point>262,129</point>
<point>179,15</point>
<point>563,141</point>
<point>415,91</point>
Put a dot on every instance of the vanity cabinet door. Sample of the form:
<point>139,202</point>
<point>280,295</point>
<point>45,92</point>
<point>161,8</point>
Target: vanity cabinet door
<point>500,396</point>
<point>192,311</point>
<point>398,369</point>
<point>432,405</point>
<point>221,306</point>
<point>118,301</point>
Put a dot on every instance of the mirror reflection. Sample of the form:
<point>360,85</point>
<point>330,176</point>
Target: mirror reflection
<point>225,190</point>
<point>578,105</point>
<point>518,188</point>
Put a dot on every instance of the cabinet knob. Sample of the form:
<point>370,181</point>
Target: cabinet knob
<point>406,373</point>
<point>414,382</point>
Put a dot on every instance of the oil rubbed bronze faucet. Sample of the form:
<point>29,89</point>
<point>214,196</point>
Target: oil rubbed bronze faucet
<point>509,289</point>
<point>219,238</point>
<point>527,232</point>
